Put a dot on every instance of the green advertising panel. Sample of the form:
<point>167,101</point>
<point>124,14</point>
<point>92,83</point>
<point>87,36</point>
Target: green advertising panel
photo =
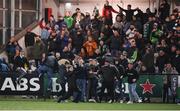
<point>147,85</point>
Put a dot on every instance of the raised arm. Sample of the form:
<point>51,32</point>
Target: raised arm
<point>121,8</point>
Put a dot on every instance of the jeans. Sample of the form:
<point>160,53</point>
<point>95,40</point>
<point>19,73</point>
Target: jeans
<point>43,69</point>
<point>133,96</point>
<point>81,84</point>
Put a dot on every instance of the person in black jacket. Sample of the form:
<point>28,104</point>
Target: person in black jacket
<point>29,43</point>
<point>72,86</point>
<point>129,12</point>
<point>81,77</point>
<point>132,79</point>
<point>108,72</point>
<point>164,10</point>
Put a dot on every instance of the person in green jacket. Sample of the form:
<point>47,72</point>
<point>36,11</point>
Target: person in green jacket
<point>155,34</point>
<point>68,19</point>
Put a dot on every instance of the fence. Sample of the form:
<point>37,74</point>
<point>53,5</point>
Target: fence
<point>148,85</point>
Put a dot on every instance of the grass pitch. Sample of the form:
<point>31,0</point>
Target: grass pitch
<point>53,105</point>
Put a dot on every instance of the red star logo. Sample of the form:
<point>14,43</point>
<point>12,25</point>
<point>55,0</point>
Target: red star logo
<point>147,87</point>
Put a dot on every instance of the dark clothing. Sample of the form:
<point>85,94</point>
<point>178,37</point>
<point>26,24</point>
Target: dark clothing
<point>11,51</point>
<point>77,42</point>
<point>20,62</point>
<point>30,39</point>
<point>129,14</point>
<point>115,43</point>
<point>72,87</point>
<point>164,11</point>
<point>132,74</point>
<point>109,72</point>
<point>161,61</point>
<point>175,62</point>
<point>67,55</point>
<point>81,72</point>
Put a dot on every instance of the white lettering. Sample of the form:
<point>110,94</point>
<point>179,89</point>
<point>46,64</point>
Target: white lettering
<point>23,85</point>
<point>55,86</point>
<point>8,84</point>
<point>33,83</point>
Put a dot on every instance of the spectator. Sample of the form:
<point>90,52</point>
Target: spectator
<point>11,50</point>
<point>175,60</point>
<point>129,14</point>
<point>107,13</point>
<point>68,19</point>
<point>38,51</point>
<point>115,43</point>
<point>90,46</point>
<point>168,69</point>
<point>76,13</point>
<point>164,10</point>
<point>108,72</point>
<point>81,75</point>
<point>162,59</point>
<point>29,43</point>
<point>132,79</point>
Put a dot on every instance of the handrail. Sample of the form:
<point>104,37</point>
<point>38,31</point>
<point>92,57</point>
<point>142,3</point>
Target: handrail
<point>21,34</point>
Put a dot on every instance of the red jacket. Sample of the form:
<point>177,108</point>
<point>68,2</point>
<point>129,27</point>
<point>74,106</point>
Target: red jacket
<point>107,12</point>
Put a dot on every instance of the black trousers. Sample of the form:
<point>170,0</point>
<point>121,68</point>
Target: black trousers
<point>69,93</point>
<point>109,85</point>
<point>165,93</point>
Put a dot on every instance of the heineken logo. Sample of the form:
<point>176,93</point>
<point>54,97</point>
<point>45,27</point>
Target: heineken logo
<point>147,87</point>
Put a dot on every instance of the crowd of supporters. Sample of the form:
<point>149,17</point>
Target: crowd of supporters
<point>85,49</point>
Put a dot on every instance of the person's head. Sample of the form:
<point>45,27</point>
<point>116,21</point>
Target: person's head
<point>168,65</point>
<point>161,53</point>
<point>12,39</point>
<point>78,10</point>
<point>87,14</point>
<point>148,10</point>
<point>89,32</point>
<point>173,48</point>
<point>58,55</point>
<point>130,65</point>
<point>22,53</point>
<point>79,32</point>
<point>118,18</point>
<point>107,61</point>
<point>129,7</point>
<point>101,43</point>
<point>178,51</point>
<point>106,3</point>
<point>67,13</point>
<point>155,26</point>
<point>90,38</point>
<point>164,1</point>
<point>133,42</point>
<point>172,17</point>
<point>163,42</point>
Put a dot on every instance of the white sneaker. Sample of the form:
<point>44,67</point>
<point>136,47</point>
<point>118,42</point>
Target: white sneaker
<point>139,101</point>
<point>129,102</point>
<point>121,101</point>
<point>92,100</point>
<point>110,101</point>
